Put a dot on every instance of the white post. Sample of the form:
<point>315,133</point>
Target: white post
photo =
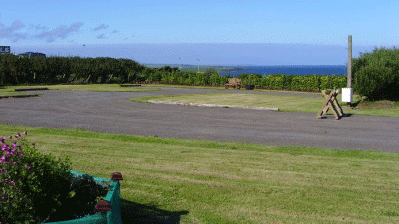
<point>348,92</point>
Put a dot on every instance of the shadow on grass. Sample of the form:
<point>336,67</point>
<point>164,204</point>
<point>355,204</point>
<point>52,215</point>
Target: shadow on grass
<point>138,213</point>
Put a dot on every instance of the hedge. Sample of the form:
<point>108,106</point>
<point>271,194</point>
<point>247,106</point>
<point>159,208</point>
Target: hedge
<point>15,70</point>
<point>301,83</point>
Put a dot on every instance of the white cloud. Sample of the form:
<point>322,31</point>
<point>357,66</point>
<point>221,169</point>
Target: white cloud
<point>38,27</point>
<point>101,27</point>
<point>13,32</point>
<point>61,32</point>
<point>101,36</point>
<point>19,31</point>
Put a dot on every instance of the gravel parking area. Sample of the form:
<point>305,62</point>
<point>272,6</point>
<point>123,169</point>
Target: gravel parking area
<point>111,112</point>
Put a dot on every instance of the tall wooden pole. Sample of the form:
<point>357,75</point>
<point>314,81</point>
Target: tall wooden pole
<point>349,67</point>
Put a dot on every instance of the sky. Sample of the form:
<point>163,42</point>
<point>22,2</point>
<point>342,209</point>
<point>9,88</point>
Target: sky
<point>217,32</point>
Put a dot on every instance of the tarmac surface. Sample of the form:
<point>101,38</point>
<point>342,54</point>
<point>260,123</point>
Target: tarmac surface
<point>111,112</point>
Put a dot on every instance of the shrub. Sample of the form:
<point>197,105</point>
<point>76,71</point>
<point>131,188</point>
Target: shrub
<point>376,74</point>
<point>33,185</point>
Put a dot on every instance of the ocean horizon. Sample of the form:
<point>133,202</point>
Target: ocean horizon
<point>339,70</point>
<point>235,70</point>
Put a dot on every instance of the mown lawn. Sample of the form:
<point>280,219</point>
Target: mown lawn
<point>193,181</point>
<point>102,88</point>
<point>10,90</point>
<point>285,103</point>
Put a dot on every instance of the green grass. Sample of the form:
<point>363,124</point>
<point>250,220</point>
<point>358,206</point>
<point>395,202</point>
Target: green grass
<point>101,88</point>
<point>183,86</point>
<point>9,91</point>
<point>193,181</point>
<point>284,103</point>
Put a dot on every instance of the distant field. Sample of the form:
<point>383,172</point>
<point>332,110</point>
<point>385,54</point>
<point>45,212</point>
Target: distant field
<point>193,181</point>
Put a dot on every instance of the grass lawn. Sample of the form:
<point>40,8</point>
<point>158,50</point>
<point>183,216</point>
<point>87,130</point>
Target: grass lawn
<point>283,102</point>
<point>101,88</point>
<point>9,90</point>
<point>183,86</point>
<point>193,181</point>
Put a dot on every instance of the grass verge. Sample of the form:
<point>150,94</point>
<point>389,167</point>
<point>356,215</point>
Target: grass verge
<point>285,103</point>
<point>193,181</point>
<point>9,91</point>
<point>101,88</point>
<point>184,86</point>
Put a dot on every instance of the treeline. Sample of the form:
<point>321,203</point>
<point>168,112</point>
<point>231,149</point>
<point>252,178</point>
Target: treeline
<point>15,70</point>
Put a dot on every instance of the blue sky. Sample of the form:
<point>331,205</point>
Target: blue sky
<point>267,32</point>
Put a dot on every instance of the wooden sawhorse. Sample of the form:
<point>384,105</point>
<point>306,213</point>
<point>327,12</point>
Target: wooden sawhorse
<point>331,103</point>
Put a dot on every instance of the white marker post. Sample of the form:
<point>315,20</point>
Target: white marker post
<point>347,93</point>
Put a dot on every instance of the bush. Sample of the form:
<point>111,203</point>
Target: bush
<point>376,74</point>
<point>32,185</point>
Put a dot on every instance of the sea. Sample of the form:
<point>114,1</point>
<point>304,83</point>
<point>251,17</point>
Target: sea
<point>332,70</point>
